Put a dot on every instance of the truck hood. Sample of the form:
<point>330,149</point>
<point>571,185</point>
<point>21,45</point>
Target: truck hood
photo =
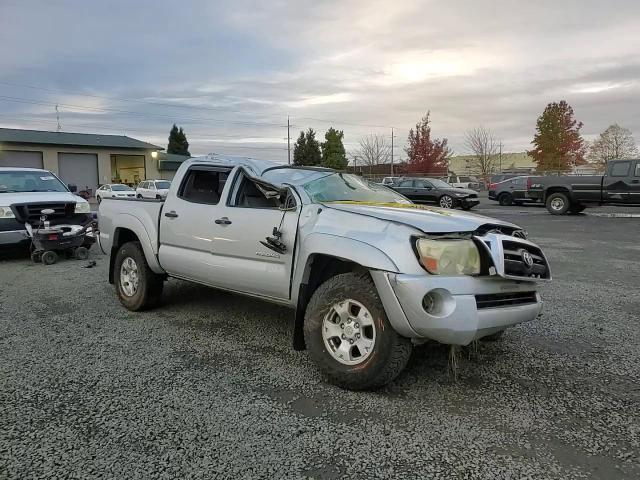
<point>7,199</point>
<point>424,218</point>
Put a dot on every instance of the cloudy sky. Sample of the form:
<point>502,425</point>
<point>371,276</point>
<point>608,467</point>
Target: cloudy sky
<point>231,72</point>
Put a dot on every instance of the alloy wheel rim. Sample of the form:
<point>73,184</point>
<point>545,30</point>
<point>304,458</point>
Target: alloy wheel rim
<point>557,204</point>
<point>349,332</point>
<point>446,202</point>
<point>129,278</point>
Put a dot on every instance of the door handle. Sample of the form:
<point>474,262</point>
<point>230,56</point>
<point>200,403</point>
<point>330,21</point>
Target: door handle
<point>171,214</point>
<point>223,221</point>
<point>635,181</point>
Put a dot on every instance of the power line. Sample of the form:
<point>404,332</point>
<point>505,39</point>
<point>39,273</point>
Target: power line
<point>140,114</point>
<point>172,105</point>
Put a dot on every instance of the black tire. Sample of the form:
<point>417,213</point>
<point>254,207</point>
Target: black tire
<point>98,199</point>
<point>466,208</point>
<point>505,199</point>
<point>494,337</point>
<point>81,253</point>
<point>150,284</point>
<point>158,197</point>
<point>575,209</point>
<point>558,203</point>
<point>138,196</point>
<point>446,200</point>
<point>390,352</point>
<point>49,257</point>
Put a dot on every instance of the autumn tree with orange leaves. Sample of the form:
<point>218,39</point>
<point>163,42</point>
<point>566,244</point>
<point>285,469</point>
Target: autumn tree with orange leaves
<point>424,154</point>
<point>557,143</point>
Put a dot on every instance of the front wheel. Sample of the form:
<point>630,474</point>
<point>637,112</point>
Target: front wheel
<point>98,199</point>
<point>349,335</point>
<point>558,203</point>
<point>446,201</point>
<point>138,287</point>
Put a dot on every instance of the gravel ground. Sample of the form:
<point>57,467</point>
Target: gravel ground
<point>208,387</point>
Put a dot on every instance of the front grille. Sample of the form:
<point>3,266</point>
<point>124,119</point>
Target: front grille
<point>473,195</point>
<point>497,300</point>
<point>515,265</point>
<point>33,211</point>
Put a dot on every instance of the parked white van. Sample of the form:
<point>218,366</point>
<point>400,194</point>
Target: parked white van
<point>153,189</point>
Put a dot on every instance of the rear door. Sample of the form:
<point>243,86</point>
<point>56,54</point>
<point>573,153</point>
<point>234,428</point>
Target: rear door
<point>617,184</point>
<point>187,223</point>
<point>242,262</point>
<point>406,188</point>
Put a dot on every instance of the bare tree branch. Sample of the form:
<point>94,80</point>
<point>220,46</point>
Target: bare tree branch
<point>373,150</point>
<point>614,143</point>
<point>484,147</point>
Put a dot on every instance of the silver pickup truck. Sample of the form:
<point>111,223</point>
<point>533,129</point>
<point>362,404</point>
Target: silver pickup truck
<point>368,273</point>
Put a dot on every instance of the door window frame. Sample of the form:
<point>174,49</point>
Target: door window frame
<point>201,168</point>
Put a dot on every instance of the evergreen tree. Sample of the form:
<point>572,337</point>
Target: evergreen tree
<point>333,153</point>
<point>178,143</point>
<point>306,150</point>
<point>557,143</point>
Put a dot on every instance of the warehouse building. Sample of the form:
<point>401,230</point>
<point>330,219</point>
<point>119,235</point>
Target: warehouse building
<point>86,160</point>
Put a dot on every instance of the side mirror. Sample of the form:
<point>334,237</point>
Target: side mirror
<point>72,188</point>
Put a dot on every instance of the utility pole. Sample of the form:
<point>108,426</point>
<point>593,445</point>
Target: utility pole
<point>58,118</point>
<point>288,140</point>
<point>391,151</point>
<point>500,156</point>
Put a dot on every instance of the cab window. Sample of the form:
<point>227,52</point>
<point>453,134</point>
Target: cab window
<point>203,185</point>
<point>620,169</point>
<point>249,195</point>
<point>406,184</point>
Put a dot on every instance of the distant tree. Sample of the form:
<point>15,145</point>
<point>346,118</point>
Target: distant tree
<point>373,150</point>
<point>333,152</point>
<point>178,143</point>
<point>484,147</point>
<point>306,150</point>
<point>424,154</point>
<point>558,145</point>
<point>615,142</point>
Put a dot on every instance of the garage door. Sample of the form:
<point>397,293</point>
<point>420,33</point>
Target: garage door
<point>12,158</point>
<point>80,169</point>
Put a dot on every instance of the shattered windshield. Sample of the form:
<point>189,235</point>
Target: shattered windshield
<point>346,187</point>
<point>30,181</point>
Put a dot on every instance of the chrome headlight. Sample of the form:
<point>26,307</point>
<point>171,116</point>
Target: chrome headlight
<point>449,257</point>
<point>6,212</point>
<point>83,207</point>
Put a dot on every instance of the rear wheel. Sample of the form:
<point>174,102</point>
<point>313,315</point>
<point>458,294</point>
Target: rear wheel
<point>558,203</point>
<point>505,199</point>
<point>98,199</point>
<point>138,287</point>
<point>446,201</point>
<point>349,335</point>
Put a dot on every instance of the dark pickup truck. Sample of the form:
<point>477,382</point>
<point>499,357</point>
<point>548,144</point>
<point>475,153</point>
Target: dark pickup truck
<point>572,194</point>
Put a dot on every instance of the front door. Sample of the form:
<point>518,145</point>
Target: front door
<point>240,261</point>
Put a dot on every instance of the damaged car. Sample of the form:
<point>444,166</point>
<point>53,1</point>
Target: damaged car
<point>368,273</point>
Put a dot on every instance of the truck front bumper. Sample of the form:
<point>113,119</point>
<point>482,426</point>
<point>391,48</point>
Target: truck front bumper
<point>458,310</point>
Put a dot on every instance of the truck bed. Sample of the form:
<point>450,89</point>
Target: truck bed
<point>135,210</point>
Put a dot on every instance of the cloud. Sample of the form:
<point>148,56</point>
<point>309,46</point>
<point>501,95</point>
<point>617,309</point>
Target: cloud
<point>236,70</point>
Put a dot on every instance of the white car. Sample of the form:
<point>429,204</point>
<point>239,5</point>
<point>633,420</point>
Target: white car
<point>153,189</point>
<point>114,190</point>
<point>463,181</point>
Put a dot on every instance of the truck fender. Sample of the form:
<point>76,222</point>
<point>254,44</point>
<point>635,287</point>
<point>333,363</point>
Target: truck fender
<point>340,248</point>
<point>132,224</point>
